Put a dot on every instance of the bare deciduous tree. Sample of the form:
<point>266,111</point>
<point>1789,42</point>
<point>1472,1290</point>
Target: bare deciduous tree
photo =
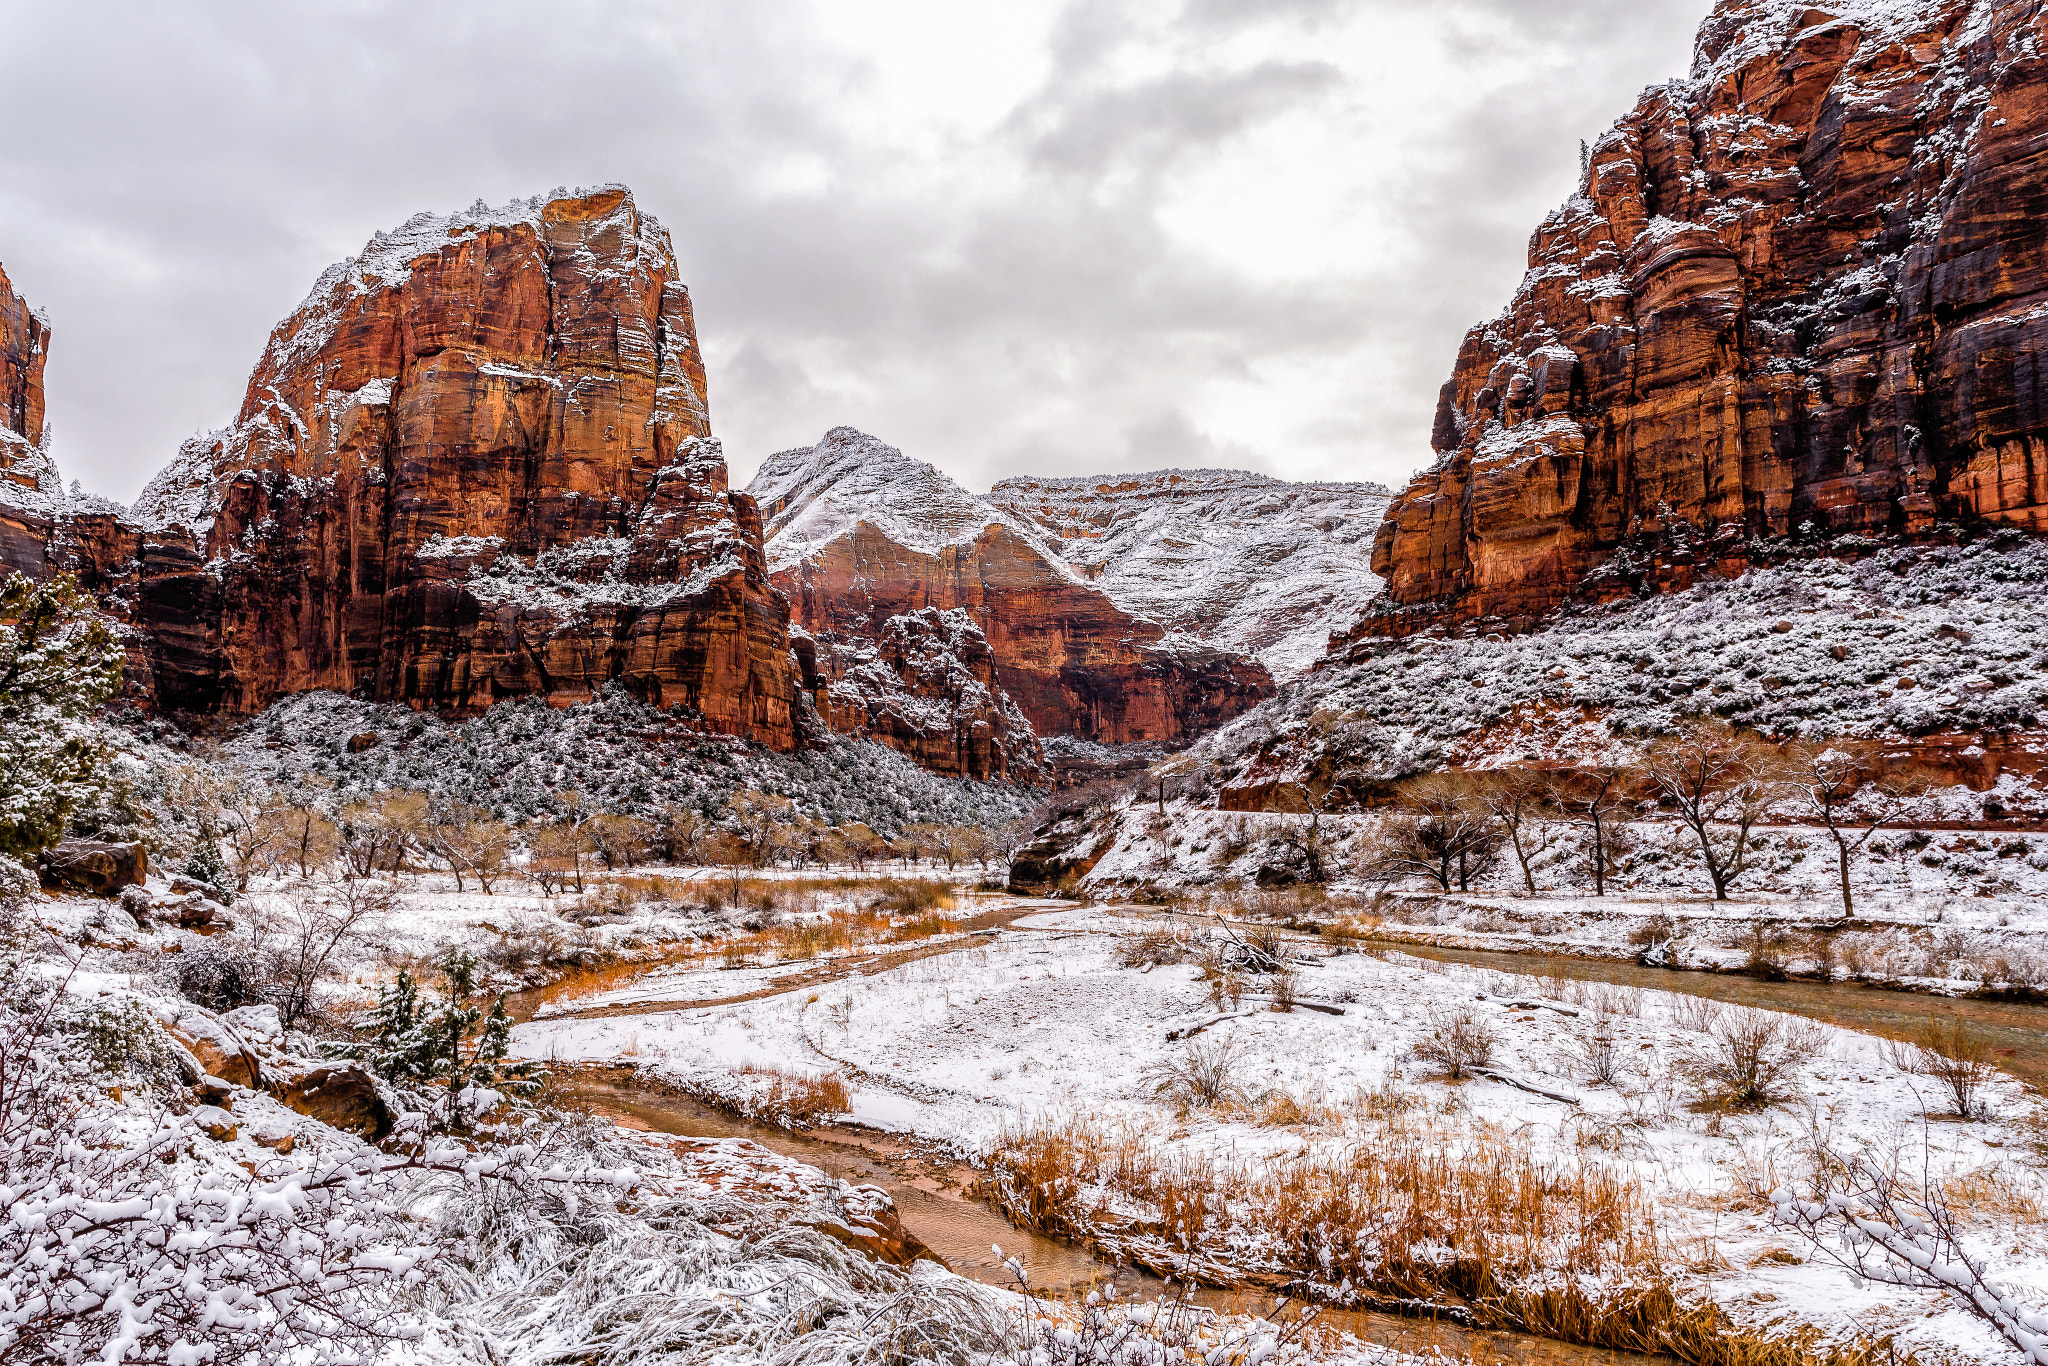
<point>1441,830</point>
<point>1593,796</point>
<point>301,939</point>
<point>1846,788</point>
<point>1519,799</point>
<point>1719,782</point>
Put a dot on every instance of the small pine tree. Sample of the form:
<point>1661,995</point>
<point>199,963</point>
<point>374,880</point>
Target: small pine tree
<point>210,866</point>
<point>450,1045</point>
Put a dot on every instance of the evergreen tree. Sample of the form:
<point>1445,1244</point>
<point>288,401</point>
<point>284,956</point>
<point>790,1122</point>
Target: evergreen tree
<point>59,663</point>
<point>210,866</point>
<point>451,1044</point>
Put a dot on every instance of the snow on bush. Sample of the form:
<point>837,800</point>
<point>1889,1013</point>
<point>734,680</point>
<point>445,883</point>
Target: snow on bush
<point>621,754</point>
<point>1906,641</point>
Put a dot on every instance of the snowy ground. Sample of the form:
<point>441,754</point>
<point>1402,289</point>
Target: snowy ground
<point>1043,1024</point>
<point>1956,907</point>
<point>717,1248</point>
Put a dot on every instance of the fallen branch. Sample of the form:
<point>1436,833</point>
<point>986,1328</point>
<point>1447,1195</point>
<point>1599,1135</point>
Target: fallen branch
<point>1191,1030</point>
<point>1531,1087</point>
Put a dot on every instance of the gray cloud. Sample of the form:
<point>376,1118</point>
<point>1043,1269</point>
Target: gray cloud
<point>1072,257</point>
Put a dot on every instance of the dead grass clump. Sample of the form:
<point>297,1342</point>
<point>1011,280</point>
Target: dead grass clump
<point>1955,1057</point>
<point>920,927</point>
<point>914,896</point>
<point>1150,950</point>
<point>795,1100</point>
<point>1594,1054</point>
<point>1655,928</point>
<point>1566,1248</point>
<point>635,888</point>
<point>811,938</point>
<point>1401,1211</point>
<point>1384,1102</point>
<point>1607,998</point>
<point>1205,1075</point>
<point>1284,1110</point>
<point>1748,1058</point>
<point>1286,990</point>
<point>1455,1044</point>
<point>1695,1013</point>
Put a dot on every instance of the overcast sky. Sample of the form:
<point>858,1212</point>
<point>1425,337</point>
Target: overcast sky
<point>1027,237</point>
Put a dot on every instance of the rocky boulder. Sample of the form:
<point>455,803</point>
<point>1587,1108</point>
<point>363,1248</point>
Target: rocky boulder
<point>95,866</point>
<point>341,1095</point>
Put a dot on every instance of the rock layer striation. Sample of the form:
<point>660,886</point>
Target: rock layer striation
<point>475,463</point>
<point>1802,291</point>
<point>952,629</point>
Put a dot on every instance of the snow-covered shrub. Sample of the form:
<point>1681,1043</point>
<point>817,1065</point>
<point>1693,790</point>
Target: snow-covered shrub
<point>1455,1044</point>
<point>59,661</point>
<point>1747,1057</point>
<point>517,761</point>
<point>218,975</point>
<point>134,1233</point>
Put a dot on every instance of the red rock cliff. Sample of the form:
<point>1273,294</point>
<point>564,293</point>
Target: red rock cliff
<point>28,483</point>
<point>885,558</point>
<point>475,463</point>
<point>1807,285</point>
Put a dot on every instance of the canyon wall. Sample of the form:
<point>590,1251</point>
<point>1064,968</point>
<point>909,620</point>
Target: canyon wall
<point>885,561</point>
<point>474,464</point>
<point>1233,560</point>
<point>1803,292</point>
<point>29,491</point>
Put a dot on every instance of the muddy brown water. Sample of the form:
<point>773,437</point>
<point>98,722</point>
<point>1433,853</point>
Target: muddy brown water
<point>963,1229</point>
<point>2018,1032</point>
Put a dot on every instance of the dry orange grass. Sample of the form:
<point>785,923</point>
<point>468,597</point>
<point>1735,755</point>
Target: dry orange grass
<point>1564,1248</point>
<point>797,1100</point>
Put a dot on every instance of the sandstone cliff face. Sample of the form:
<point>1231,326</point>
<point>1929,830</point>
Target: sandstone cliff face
<point>1807,285</point>
<point>863,539</point>
<point>1236,561</point>
<point>29,491</point>
<point>475,463</point>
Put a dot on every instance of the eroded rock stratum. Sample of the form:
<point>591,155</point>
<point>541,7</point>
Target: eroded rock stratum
<point>475,463</point>
<point>1804,290</point>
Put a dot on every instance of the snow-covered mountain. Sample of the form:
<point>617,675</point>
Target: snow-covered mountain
<point>862,539</point>
<point>1230,559</point>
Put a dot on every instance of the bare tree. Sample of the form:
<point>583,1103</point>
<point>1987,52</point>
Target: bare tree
<point>1442,831</point>
<point>1594,796</point>
<point>1828,781</point>
<point>301,939</point>
<point>1518,798</point>
<point>310,838</point>
<point>1720,782</point>
<point>556,856</point>
<point>728,851</point>
<point>762,820</point>
<point>683,832</point>
<point>468,839</point>
<point>620,841</point>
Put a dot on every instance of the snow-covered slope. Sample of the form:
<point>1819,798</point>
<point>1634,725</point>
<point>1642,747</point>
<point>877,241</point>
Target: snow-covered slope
<point>1235,560</point>
<point>1225,559</point>
<point>810,496</point>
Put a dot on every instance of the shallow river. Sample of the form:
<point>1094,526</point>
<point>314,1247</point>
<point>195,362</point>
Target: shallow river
<point>962,1229</point>
<point>2017,1031</point>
